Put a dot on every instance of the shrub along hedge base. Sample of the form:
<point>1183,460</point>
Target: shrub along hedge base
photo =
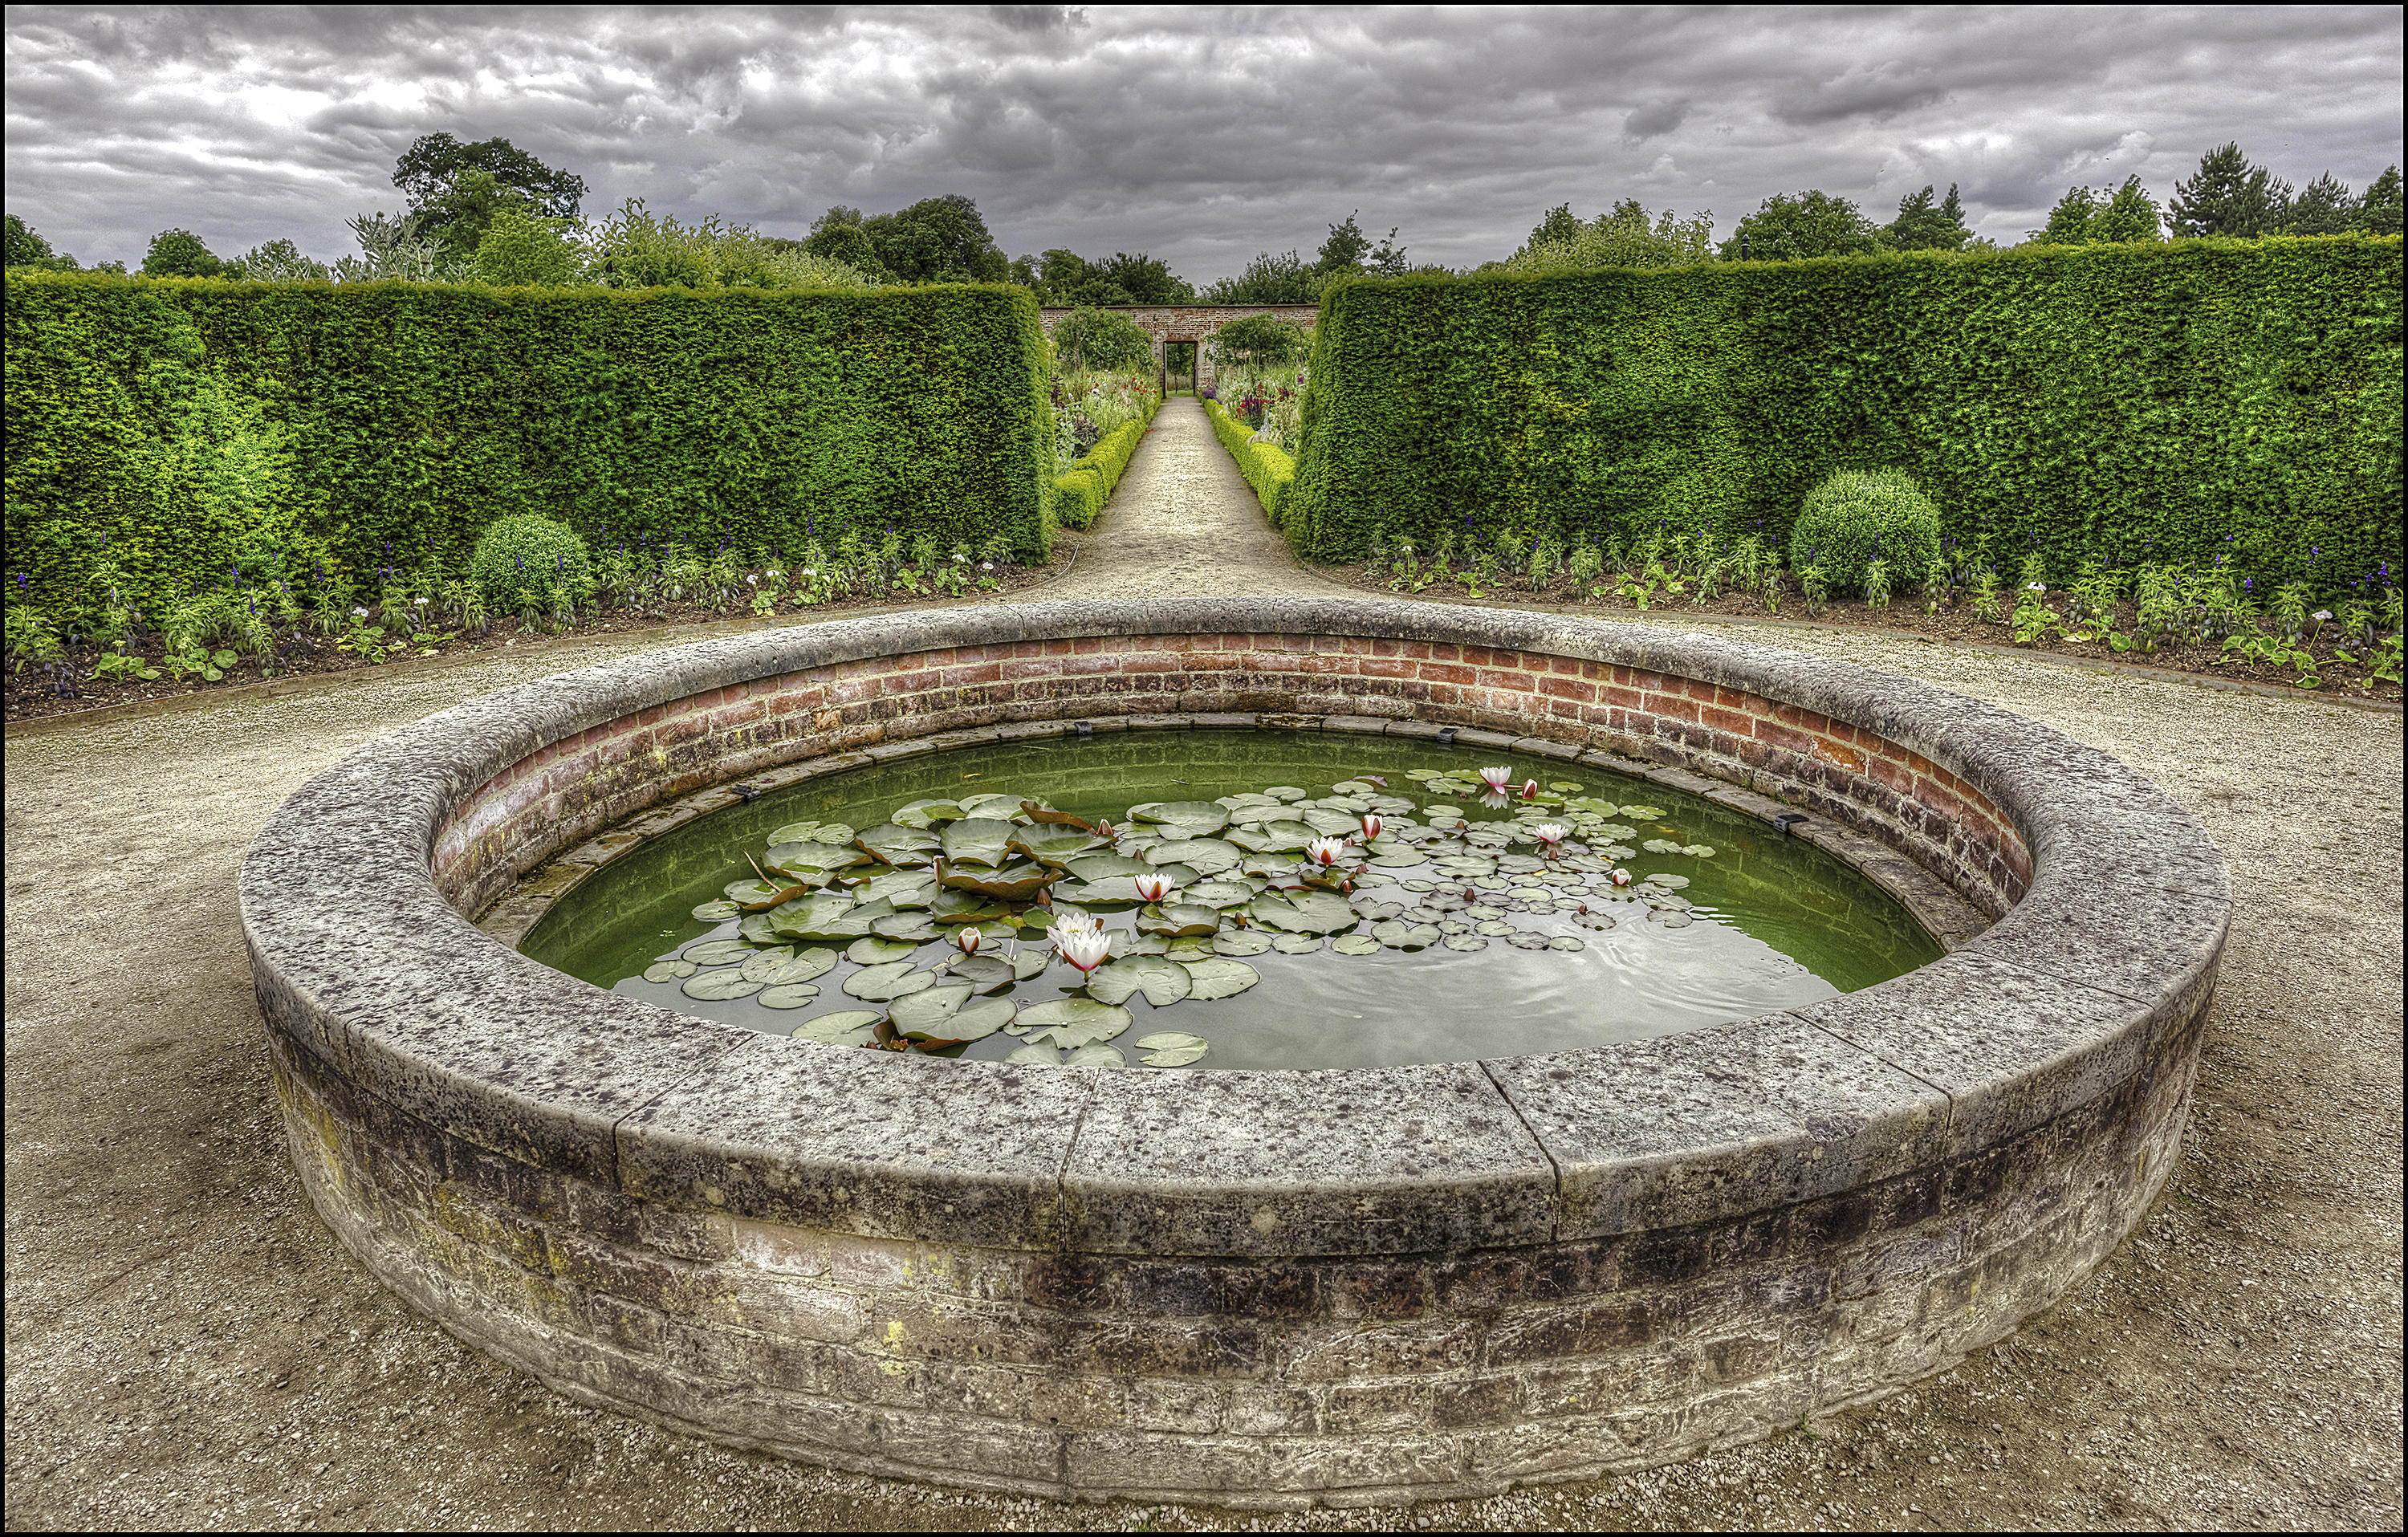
<point>2160,403</point>
<point>1080,493</point>
<point>1267,469</point>
<point>184,434</point>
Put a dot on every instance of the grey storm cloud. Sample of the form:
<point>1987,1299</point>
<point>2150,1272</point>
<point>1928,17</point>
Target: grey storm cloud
<point>1202,135</point>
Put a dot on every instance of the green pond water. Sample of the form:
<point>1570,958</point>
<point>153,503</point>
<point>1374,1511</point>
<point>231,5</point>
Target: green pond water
<point>1465,935</point>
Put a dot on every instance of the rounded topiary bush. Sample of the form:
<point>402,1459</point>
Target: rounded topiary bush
<point>520,561</point>
<point>1858,516</point>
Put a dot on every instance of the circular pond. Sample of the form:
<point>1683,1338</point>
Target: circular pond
<point>1559,913</point>
<point>1909,1053</point>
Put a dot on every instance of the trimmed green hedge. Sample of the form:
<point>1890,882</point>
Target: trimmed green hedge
<point>2167,402</point>
<point>1080,491</point>
<point>194,433</point>
<point>1267,469</point>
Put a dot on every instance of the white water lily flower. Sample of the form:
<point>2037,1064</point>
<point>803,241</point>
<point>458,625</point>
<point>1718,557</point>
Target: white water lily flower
<point>966,939</point>
<point>1085,948</point>
<point>1621,877</point>
<point>1530,789</point>
<point>1552,834</point>
<point>1153,887</point>
<point>1326,850</point>
<point>1497,777</point>
<point>1071,922</point>
<point>1371,826</point>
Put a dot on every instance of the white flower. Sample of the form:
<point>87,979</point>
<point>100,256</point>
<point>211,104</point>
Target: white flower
<point>1498,779</point>
<point>966,939</point>
<point>986,566</point>
<point>1551,834</point>
<point>1085,948</point>
<point>1072,921</point>
<point>2034,587</point>
<point>1371,826</point>
<point>421,603</point>
<point>1621,877</point>
<point>1530,789</point>
<point>752,581</point>
<point>359,613</point>
<point>1326,850</point>
<point>1153,887</point>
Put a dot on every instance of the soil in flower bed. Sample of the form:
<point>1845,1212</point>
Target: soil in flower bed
<point>1954,621</point>
<point>67,685</point>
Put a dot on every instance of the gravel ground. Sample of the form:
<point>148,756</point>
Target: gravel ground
<point>186,1347</point>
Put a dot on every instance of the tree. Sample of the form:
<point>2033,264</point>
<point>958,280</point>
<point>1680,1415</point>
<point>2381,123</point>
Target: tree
<point>276,262</point>
<point>431,174</point>
<point>2087,218</point>
<point>1146,279</point>
<point>838,236</point>
<point>2323,206</point>
<point>27,249</point>
<point>1259,341</point>
<point>2229,196</point>
<point>1097,339</point>
<point>1812,223</point>
<point>936,240</point>
<point>1620,238</point>
<point>2378,206</point>
<point>179,253</point>
<point>520,250</point>
<point>1921,226</point>
<point>1267,279</point>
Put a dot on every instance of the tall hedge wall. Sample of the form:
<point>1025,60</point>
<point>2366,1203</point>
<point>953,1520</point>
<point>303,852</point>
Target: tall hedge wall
<point>2169,402</point>
<point>200,429</point>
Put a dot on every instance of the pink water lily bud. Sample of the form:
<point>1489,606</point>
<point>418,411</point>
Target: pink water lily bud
<point>1085,948</point>
<point>1497,777</point>
<point>1530,789</point>
<point>1553,835</point>
<point>968,939</point>
<point>1326,850</point>
<point>1621,877</point>
<point>1153,888</point>
<point>1371,825</point>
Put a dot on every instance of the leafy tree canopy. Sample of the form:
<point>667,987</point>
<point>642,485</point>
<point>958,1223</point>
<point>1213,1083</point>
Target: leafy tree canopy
<point>1259,341</point>
<point>936,240</point>
<point>2323,206</point>
<point>1622,236</point>
<point>1063,277</point>
<point>520,250</point>
<point>2107,216</point>
<point>838,236</point>
<point>2378,206</point>
<point>179,253</point>
<point>277,262</point>
<point>1920,225</point>
<point>1267,279</point>
<point>27,249</point>
<point>2230,196</point>
<point>1097,339</point>
<point>429,170</point>
<point>1812,223</point>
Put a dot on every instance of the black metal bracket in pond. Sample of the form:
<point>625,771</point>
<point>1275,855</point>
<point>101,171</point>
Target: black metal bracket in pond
<point>747,791</point>
<point>1788,821</point>
<point>1446,735</point>
<point>1086,728</point>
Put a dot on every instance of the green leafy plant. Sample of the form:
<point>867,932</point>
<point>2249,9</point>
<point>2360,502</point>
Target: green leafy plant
<point>520,561</point>
<point>1812,586</point>
<point>185,657</point>
<point>1856,517</point>
<point>2034,619</point>
<point>1877,584</point>
<point>1985,595</point>
<point>124,667</point>
<point>32,638</point>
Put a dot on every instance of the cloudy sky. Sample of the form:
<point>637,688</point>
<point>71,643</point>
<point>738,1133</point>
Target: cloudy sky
<point>1201,133</point>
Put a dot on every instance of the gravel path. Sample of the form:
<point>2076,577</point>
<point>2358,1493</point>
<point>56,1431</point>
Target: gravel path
<point>186,1346</point>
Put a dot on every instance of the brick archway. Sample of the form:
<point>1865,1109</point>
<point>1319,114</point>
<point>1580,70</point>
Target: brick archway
<point>1169,323</point>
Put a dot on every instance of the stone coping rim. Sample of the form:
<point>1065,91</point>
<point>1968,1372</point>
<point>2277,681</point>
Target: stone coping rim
<point>360,960</point>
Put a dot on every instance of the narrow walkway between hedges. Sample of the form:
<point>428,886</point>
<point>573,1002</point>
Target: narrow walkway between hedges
<point>1182,522</point>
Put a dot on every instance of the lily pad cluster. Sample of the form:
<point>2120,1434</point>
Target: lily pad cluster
<point>1004,890</point>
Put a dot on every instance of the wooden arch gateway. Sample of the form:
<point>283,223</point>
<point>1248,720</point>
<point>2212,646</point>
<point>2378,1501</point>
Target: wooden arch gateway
<point>1174,324</point>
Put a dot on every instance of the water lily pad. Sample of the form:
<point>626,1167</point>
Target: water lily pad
<point>1567,942</point>
<point>759,928</point>
<point>1661,846</point>
<point>750,893</point>
<point>845,1027</point>
<point>1035,1053</point>
<point>1075,1022</point>
<point>671,971</point>
<point>978,841</point>
<point>719,986</point>
<point>1030,963</point>
<point>1397,856</point>
<point>1164,1041</point>
<point>1098,1056</point>
<point>1496,930</point>
<point>1220,977</point>
<point>1179,920</point>
<point>1332,822</point>
<point>1162,982</point>
<point>1699,850</point>
<point>982,972</point>
<point>822,915</point>
<point>1664,880</point>
<point>1398,934</point>
<point>815,864</point>
<point>1057,846</point>
<point>902,887</point>
<point>1357,944</point>
<point>1303,912</point>
<point>1018,881</point>
<point>1245,941</point>
<point>1204,855</point>
<point>924,814</point>
<point>716,912</point>
<point>1218,893</point>
<point>929,1008</point>
<point>1524,940</point>
<point>871,951</point>
<point>1191,818</point>
<point>888,980</point>
<point>717,952</point>
<point>794,832</point>
<point>762,965</point>
<point>1284,792</point>
<point>1593,919</point>
<point>1465,941</point>
<point>979,1019</point>
<point>1103,867</point>
<point>1670,917</point>
<point>908,927</point>
<point>787,995</point>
